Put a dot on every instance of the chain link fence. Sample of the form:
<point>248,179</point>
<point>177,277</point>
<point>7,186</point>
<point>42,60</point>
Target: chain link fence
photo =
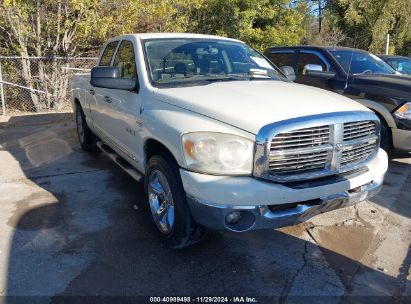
<point>38,84</point>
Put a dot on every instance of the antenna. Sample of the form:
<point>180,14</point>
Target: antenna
<point>349,70</point>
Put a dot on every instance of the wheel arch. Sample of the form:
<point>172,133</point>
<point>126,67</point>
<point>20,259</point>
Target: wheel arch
<point>153,147</point>
<point>386,119</point>
<point>76,101</point>
<point>75,98</point>
<point>380,110</point>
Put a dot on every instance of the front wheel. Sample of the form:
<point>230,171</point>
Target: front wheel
<point>386,137</point>
<point>167,201</point>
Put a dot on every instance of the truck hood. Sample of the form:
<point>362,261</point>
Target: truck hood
<point>396,86</point>
<point>250,105</point>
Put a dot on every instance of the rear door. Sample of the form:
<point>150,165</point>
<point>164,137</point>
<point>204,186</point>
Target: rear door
<point>96,95</point>
<point>283,58</point>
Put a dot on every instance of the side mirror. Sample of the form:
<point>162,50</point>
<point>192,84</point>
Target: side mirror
<point>312,68</point>
<point>288,72</point>
<point>109,77</point>
<point>316,70</point>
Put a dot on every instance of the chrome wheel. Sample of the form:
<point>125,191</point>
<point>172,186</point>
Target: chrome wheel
<point>161,201</point>
<point>80,127</point>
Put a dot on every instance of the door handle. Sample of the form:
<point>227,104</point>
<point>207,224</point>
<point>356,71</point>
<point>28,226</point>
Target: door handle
<point>107,99</point>
<point>92,92</point>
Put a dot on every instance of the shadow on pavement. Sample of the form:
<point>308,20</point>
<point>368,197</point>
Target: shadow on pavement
<point>78,228</point>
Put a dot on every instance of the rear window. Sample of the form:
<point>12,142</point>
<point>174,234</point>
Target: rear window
<point>108,53</point>
<point>125,61</point>
<point>282,59</point>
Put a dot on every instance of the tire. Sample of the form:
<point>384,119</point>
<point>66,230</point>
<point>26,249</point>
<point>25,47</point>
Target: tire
<point>166,197</point>
<point>386,136</point>
<point>87,140</point>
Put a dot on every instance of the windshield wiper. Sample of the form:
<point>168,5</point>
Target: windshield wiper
<point>225,78</point>
<point>214,78</point>
<point>251,76</point>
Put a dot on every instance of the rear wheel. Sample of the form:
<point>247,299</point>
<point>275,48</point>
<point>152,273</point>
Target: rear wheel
<point>88,141</point>
<point>167,202</point>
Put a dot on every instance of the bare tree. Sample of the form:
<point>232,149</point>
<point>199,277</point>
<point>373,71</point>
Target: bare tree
<point>43,29</point>
<point>320,6</point>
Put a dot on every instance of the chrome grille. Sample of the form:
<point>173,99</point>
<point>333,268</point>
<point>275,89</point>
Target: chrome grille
<point>298,162</point>
<point>362,135</point>
<point>293,151</point>
<point>354,130</point>
<point>295,154</point>
<point>303,138</point>
<point>357,153</point>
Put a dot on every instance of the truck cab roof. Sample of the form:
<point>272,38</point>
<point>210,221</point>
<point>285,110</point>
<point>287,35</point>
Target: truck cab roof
<point>171,35</point>
<point>314,47</point>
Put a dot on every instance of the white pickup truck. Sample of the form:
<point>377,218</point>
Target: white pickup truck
<point>221,138</point>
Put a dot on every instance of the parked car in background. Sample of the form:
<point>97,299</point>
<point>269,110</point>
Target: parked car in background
<point>220,138</point>
<point>399,63</point>
<point>359,75</point>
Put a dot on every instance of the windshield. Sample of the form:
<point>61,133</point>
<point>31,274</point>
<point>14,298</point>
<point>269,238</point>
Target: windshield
<point>176,61</point>
<point>361,62</point>
<point>402,65</point>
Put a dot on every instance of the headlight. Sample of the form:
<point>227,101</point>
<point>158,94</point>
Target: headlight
<point>218,153</point>
<point>404,112</point>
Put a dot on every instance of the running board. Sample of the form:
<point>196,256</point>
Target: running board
<point>125,165</point>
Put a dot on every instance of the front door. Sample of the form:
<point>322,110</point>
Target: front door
<point>306,58</point>
<point>122,124</point>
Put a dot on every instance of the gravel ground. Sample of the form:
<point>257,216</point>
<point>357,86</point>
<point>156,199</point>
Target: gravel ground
<point>72,224</point>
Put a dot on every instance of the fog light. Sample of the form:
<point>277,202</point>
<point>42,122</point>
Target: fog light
<point>240,220</point>
<point>233,217</point>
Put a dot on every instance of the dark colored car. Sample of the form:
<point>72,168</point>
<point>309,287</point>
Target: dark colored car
<point>399,63</point>
<point>356,74</point>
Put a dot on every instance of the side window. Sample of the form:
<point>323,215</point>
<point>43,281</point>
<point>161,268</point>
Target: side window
<point>309,58</point>
<point>108,54</point>
<point>125,61</point>
<point>282,59</point>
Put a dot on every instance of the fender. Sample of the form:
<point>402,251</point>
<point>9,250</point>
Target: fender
<point>376,107</point>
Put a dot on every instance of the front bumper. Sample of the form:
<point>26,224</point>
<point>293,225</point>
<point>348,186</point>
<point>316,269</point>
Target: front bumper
<point>401,139</point>
<point>213,198</point>
<point>259,217</point>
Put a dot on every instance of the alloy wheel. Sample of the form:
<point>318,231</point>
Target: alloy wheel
<point>161,201</point>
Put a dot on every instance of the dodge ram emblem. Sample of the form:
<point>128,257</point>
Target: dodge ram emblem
<point>338,147</point>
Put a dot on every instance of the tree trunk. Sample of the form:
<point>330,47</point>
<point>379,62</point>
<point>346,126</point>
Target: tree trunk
<point>28,79</point>
<point>320,17</point>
